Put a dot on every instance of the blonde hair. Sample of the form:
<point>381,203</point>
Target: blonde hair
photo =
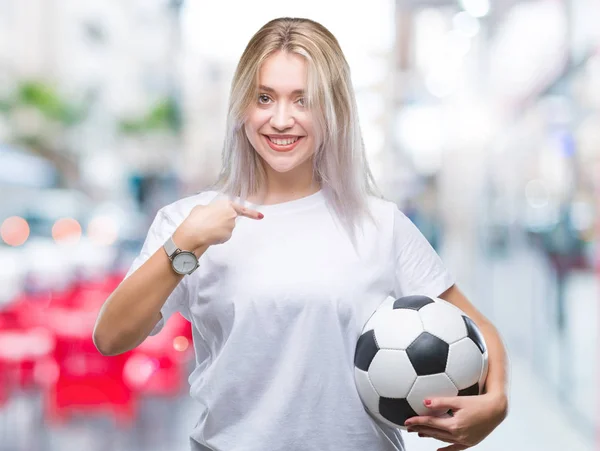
<point>340,164</point>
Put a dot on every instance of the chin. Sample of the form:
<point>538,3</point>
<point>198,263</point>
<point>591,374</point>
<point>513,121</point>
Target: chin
<point>284,163</point>
<point>282,169</point>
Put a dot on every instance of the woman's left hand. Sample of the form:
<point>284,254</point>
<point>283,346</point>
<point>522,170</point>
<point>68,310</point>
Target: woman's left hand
<point>473,419</point>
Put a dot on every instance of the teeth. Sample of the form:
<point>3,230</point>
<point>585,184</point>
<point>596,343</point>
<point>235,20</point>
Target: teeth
<point>284,142</point>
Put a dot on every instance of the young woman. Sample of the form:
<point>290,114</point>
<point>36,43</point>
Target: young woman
<point>296,249</point>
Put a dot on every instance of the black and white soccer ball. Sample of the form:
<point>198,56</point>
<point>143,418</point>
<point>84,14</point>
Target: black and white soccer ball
<point>414,348</point>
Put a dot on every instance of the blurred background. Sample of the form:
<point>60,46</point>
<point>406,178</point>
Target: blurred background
<point>481,120</point>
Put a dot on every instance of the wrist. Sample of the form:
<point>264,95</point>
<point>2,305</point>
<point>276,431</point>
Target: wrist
<point>184,240</point>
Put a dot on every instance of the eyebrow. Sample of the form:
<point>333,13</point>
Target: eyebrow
<point>272,91</point>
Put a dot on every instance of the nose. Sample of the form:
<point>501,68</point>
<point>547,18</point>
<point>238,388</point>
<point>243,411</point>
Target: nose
<point>282,118</point>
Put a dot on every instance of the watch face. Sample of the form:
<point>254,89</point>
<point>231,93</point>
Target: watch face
<point>184,262</point>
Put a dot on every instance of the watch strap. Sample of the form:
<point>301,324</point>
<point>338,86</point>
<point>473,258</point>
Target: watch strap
<point>170,247</point>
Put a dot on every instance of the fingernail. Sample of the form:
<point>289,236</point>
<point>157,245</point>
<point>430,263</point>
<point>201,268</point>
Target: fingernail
<point>428,402</point>
<point>420,434</point>
<point>410,430</point>
<point>260,216</point>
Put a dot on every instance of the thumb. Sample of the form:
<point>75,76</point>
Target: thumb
<point>247,212</point>
<point>443,403</point>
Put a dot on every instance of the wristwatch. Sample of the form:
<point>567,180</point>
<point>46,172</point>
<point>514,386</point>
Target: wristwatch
<point>182,262</point>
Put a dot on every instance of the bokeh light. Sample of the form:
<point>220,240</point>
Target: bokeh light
<point>476,8</point>
<point>14,231</point>
<point>466,24</point>
<point>66,230</point>
<point>537,193</point>
<point>180,343</point>
<point>139,369</point>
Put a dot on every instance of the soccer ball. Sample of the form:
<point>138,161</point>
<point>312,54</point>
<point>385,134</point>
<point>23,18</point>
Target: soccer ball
<point>414,348</point>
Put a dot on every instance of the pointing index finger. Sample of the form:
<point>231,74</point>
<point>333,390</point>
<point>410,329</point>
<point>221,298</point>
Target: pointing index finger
<point>247,212</point>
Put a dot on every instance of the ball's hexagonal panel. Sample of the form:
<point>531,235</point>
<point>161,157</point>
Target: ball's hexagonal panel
<point>391,373</point>
<point>366,348</point>
<point>469,391</point>
<point>465,363</point>
<point>414,302</point>
<point>427,387</point>
<point>396,329</point>
<point>450,305</point>
<point>396,411</point>
<point>428,354</point>
<point>443,321</point>
<point>475,334</point>
<point>366,391</point>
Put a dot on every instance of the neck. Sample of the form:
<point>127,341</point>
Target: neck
<point>284,187</point>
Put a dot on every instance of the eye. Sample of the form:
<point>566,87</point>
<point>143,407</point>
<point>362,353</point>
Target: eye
<point>263,99</point>
<point>302,101</point>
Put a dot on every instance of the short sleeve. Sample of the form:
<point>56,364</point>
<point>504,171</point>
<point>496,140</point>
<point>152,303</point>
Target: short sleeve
<point>162,227</point>
<point>418,269</point>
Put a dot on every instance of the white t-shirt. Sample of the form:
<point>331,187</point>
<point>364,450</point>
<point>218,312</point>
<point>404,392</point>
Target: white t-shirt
<point>276,312</point>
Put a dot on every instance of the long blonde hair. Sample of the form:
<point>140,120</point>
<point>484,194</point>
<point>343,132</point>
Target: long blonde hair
<point>340,163</point>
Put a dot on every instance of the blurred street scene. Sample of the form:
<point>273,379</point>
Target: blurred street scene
<point>480,119</point>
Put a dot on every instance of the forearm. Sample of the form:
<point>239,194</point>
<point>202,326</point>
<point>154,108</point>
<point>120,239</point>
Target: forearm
<point>498,373</point>
<point>497,381</point>
<point>133,309</point>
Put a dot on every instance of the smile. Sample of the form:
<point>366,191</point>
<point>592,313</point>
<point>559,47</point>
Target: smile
<point>283,144</point>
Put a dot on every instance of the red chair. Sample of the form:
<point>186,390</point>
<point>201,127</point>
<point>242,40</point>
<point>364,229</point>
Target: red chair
<point>4,385</point>
<point>20,352</point>
<point>86,294</point>
<point>86,381</point>
<point>158,366</point>
<point>24,342</point>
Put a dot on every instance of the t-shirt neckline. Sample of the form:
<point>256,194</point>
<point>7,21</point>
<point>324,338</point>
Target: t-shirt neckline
<point>291,205</point>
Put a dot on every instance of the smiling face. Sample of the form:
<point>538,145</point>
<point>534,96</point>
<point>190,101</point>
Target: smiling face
<point>279,125</point>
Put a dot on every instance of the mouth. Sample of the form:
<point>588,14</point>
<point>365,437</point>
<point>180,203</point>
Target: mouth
<point>285,144</point>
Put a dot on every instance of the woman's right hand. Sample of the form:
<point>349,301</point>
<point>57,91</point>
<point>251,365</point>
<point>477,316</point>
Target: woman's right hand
<point>212,224</point>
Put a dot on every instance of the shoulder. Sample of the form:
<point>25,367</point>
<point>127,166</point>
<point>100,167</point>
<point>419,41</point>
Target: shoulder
<point>392,220</point>
<point>384,210</point>
<point>178,210</point>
